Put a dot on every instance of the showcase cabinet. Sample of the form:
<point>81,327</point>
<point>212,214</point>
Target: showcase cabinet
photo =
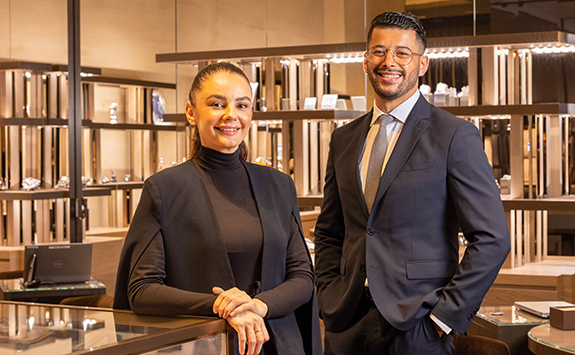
<point>51,329</point>
<point>527,120</point>
<point>123,142</point>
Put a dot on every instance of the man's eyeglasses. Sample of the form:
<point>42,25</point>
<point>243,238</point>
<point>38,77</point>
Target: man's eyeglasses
<point>402,55</point>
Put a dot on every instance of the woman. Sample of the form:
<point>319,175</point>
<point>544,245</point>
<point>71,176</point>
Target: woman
<point>218,235</point>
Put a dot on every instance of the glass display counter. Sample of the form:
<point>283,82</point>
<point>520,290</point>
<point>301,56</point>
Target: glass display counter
<point>52,329</point>
<point>505,323</point>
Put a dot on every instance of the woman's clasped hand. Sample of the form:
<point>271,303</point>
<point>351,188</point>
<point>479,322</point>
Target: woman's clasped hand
<point>245,315</point>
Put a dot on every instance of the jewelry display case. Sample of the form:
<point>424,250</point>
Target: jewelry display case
<point>51,329</point>
<point>527,120</point>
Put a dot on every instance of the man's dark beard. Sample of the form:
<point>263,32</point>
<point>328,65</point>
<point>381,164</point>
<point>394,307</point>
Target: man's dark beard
<point>394,95</point>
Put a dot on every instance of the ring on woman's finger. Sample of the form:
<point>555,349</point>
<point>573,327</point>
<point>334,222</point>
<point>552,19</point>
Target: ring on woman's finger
<point>257,330</point>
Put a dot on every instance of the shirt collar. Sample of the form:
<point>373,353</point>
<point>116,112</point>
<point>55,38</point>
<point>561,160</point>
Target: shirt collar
<point>400,112</point>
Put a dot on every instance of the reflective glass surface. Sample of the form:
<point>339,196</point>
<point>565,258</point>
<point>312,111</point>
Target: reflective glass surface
<point>508,315</point>
<point>15,286</point>
<point>54,330</point>
<point>554,338</point>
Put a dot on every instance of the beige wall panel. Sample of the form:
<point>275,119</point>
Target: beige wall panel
<point>5,28</point>
<point>334,17</point>
<point>355,29</point>
<point>5,93</point>
<point>38,30</point>
<point>348,20</point>
<point>375,7</point>
<point>295,22</point>
<point>226,24</point>
<point>185,76</point>
<point>123,37</point>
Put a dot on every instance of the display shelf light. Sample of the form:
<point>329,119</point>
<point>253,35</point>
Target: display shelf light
<point>357,58</point>
<point>447,53</point>
<point>554,49</point>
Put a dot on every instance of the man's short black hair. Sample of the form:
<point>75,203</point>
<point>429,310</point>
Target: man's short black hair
<point>404,21</point>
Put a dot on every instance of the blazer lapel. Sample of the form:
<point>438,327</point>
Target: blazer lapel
<point>414,127</point>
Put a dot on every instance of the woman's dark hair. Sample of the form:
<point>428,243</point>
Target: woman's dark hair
<point>199,80</point>
<point>404,21</point>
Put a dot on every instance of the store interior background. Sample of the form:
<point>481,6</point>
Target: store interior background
<point>123,37</point>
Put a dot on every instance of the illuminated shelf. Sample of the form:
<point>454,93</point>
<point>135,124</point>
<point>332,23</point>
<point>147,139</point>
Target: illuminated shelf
<point>326,51</point>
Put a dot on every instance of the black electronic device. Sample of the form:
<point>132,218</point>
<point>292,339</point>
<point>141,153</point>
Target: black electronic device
<point>30,271</point>
<point>60,263</point>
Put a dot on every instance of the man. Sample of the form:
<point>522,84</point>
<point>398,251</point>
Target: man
<point>386,252</point>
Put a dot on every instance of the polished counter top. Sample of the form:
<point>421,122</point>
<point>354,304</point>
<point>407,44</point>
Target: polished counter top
<point>545,339</point>
<point>508,315</point>
<point>32,328</point>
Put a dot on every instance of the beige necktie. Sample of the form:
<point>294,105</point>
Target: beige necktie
<point>376,160</point>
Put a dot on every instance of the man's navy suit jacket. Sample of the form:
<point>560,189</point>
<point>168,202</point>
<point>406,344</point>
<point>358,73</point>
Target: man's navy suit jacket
<point>436,181</point>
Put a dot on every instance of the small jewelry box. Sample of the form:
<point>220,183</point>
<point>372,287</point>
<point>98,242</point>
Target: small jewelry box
<point>562,317</point>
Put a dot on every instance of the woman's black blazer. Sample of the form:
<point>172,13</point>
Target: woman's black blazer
<point>176,202</point>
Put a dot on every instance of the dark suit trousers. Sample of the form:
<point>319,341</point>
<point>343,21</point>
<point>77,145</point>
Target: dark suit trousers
<point>370,334</point>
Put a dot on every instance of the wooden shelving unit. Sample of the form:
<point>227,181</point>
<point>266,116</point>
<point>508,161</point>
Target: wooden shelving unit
<point>34,126</point>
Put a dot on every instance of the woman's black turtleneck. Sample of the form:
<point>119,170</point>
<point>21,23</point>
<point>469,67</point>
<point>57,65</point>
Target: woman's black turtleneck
<point>229,188</point>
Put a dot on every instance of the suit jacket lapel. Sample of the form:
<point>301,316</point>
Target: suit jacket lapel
<point>414,127</point>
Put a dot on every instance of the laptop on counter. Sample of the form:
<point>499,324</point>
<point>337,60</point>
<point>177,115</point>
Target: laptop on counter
<point>540,308</point>
<point>58,263</point>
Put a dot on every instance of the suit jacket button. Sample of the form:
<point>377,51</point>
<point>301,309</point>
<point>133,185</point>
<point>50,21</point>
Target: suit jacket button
<point>362,268</point>
<point>370,231</point>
